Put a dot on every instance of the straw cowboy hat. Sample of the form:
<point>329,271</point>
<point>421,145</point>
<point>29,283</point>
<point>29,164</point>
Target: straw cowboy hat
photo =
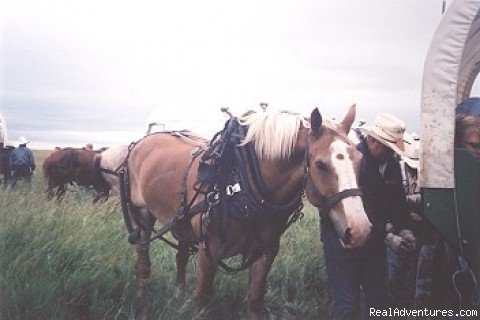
<point>388,130</point>
<point>412,150</point>
<point>22,140</point>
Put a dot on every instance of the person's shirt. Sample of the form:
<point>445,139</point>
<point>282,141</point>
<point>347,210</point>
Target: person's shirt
<point>383,192</point>
<point>22,156</point>
<point>412,188</point>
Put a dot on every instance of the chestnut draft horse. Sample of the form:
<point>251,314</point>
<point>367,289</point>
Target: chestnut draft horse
<point>293,155</point>
<point>69,166</point>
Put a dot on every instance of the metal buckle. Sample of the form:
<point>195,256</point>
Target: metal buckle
<point>232,189</point>
<point>212,198</point>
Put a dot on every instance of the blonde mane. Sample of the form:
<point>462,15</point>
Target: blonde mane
<point>273,132</point>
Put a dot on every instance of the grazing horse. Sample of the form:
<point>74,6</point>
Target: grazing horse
<point>73,166</point>
<point>294,155</point>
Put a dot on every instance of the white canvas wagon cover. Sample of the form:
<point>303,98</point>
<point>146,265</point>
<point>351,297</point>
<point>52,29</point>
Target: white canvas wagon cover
<point>451,66</point>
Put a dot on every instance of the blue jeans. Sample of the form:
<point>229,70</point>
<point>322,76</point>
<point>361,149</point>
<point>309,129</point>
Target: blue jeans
<point>402,270</point>
<point>350,269</point>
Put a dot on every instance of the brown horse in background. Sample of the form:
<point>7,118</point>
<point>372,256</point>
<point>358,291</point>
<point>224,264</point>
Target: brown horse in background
<point>294,154</point>
<point>73,166</point>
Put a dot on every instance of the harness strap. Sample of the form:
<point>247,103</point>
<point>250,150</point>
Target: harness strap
<point>184,227</point>
<point>245,159</point>
<point>120,168</point>
<point>202,206</point>
<point>327,203</point>
<point>266,206</point>
<point>124,201</point>
<point>247,260</point>
<point>105,170</point>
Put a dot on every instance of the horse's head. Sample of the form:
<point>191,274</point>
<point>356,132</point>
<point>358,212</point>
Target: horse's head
<point>333,164</point>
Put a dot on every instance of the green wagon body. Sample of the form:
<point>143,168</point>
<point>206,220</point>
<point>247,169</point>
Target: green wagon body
<point>439,208</point>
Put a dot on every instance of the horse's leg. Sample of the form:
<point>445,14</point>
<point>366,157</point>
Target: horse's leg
<point>182,261</point>
<point>258,278</point>
<point>205,275</point>
<point>142,263</point>
<point>99,195</point>
<point>61,191</point>
<point>50,192</point>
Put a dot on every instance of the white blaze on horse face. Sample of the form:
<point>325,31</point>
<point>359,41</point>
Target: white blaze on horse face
<point>355,216</point>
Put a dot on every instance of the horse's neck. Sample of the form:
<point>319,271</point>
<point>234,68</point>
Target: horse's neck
<point>284,178</point>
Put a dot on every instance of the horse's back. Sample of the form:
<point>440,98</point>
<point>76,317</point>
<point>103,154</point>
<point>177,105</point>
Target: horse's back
<point>112,159</point>
<point>156,167</point>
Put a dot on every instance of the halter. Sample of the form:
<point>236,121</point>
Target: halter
<point>325,203</point>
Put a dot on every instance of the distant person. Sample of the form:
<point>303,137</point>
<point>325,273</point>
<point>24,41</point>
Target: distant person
<point>22,162</point>
<point>89,147</point>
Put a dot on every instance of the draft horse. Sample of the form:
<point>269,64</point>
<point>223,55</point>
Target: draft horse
<point>74,166</point>
<point>240,193</point>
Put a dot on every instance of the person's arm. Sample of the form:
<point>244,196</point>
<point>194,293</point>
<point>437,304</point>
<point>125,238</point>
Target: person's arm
<point>399,215</point>
<point>12,157</point>
<point>401,238</point>
<point>31,160</point>
<point>414,203</point>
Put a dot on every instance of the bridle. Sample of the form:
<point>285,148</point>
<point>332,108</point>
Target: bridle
<point>325,204</point>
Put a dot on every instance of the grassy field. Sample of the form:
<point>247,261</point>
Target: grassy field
<point>41,155</point>
<point>71,260</point>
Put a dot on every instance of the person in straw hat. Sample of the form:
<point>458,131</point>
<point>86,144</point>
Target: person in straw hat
<point>384,201</point>
<point>22,162</point>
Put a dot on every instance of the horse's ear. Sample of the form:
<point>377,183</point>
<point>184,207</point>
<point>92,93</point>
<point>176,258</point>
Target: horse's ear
<point>347,122</point>
<point>316,121</point>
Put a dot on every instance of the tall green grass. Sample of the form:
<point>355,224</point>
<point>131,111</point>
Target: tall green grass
<point>71,260</point>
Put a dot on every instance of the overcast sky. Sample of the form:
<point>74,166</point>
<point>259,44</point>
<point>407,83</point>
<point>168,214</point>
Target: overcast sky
<point>78,72</point>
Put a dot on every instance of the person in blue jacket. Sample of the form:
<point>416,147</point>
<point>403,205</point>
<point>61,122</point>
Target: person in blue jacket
<point>22,162</point>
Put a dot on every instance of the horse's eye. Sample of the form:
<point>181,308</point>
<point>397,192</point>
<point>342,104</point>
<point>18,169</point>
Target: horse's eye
<point>322,166</point>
